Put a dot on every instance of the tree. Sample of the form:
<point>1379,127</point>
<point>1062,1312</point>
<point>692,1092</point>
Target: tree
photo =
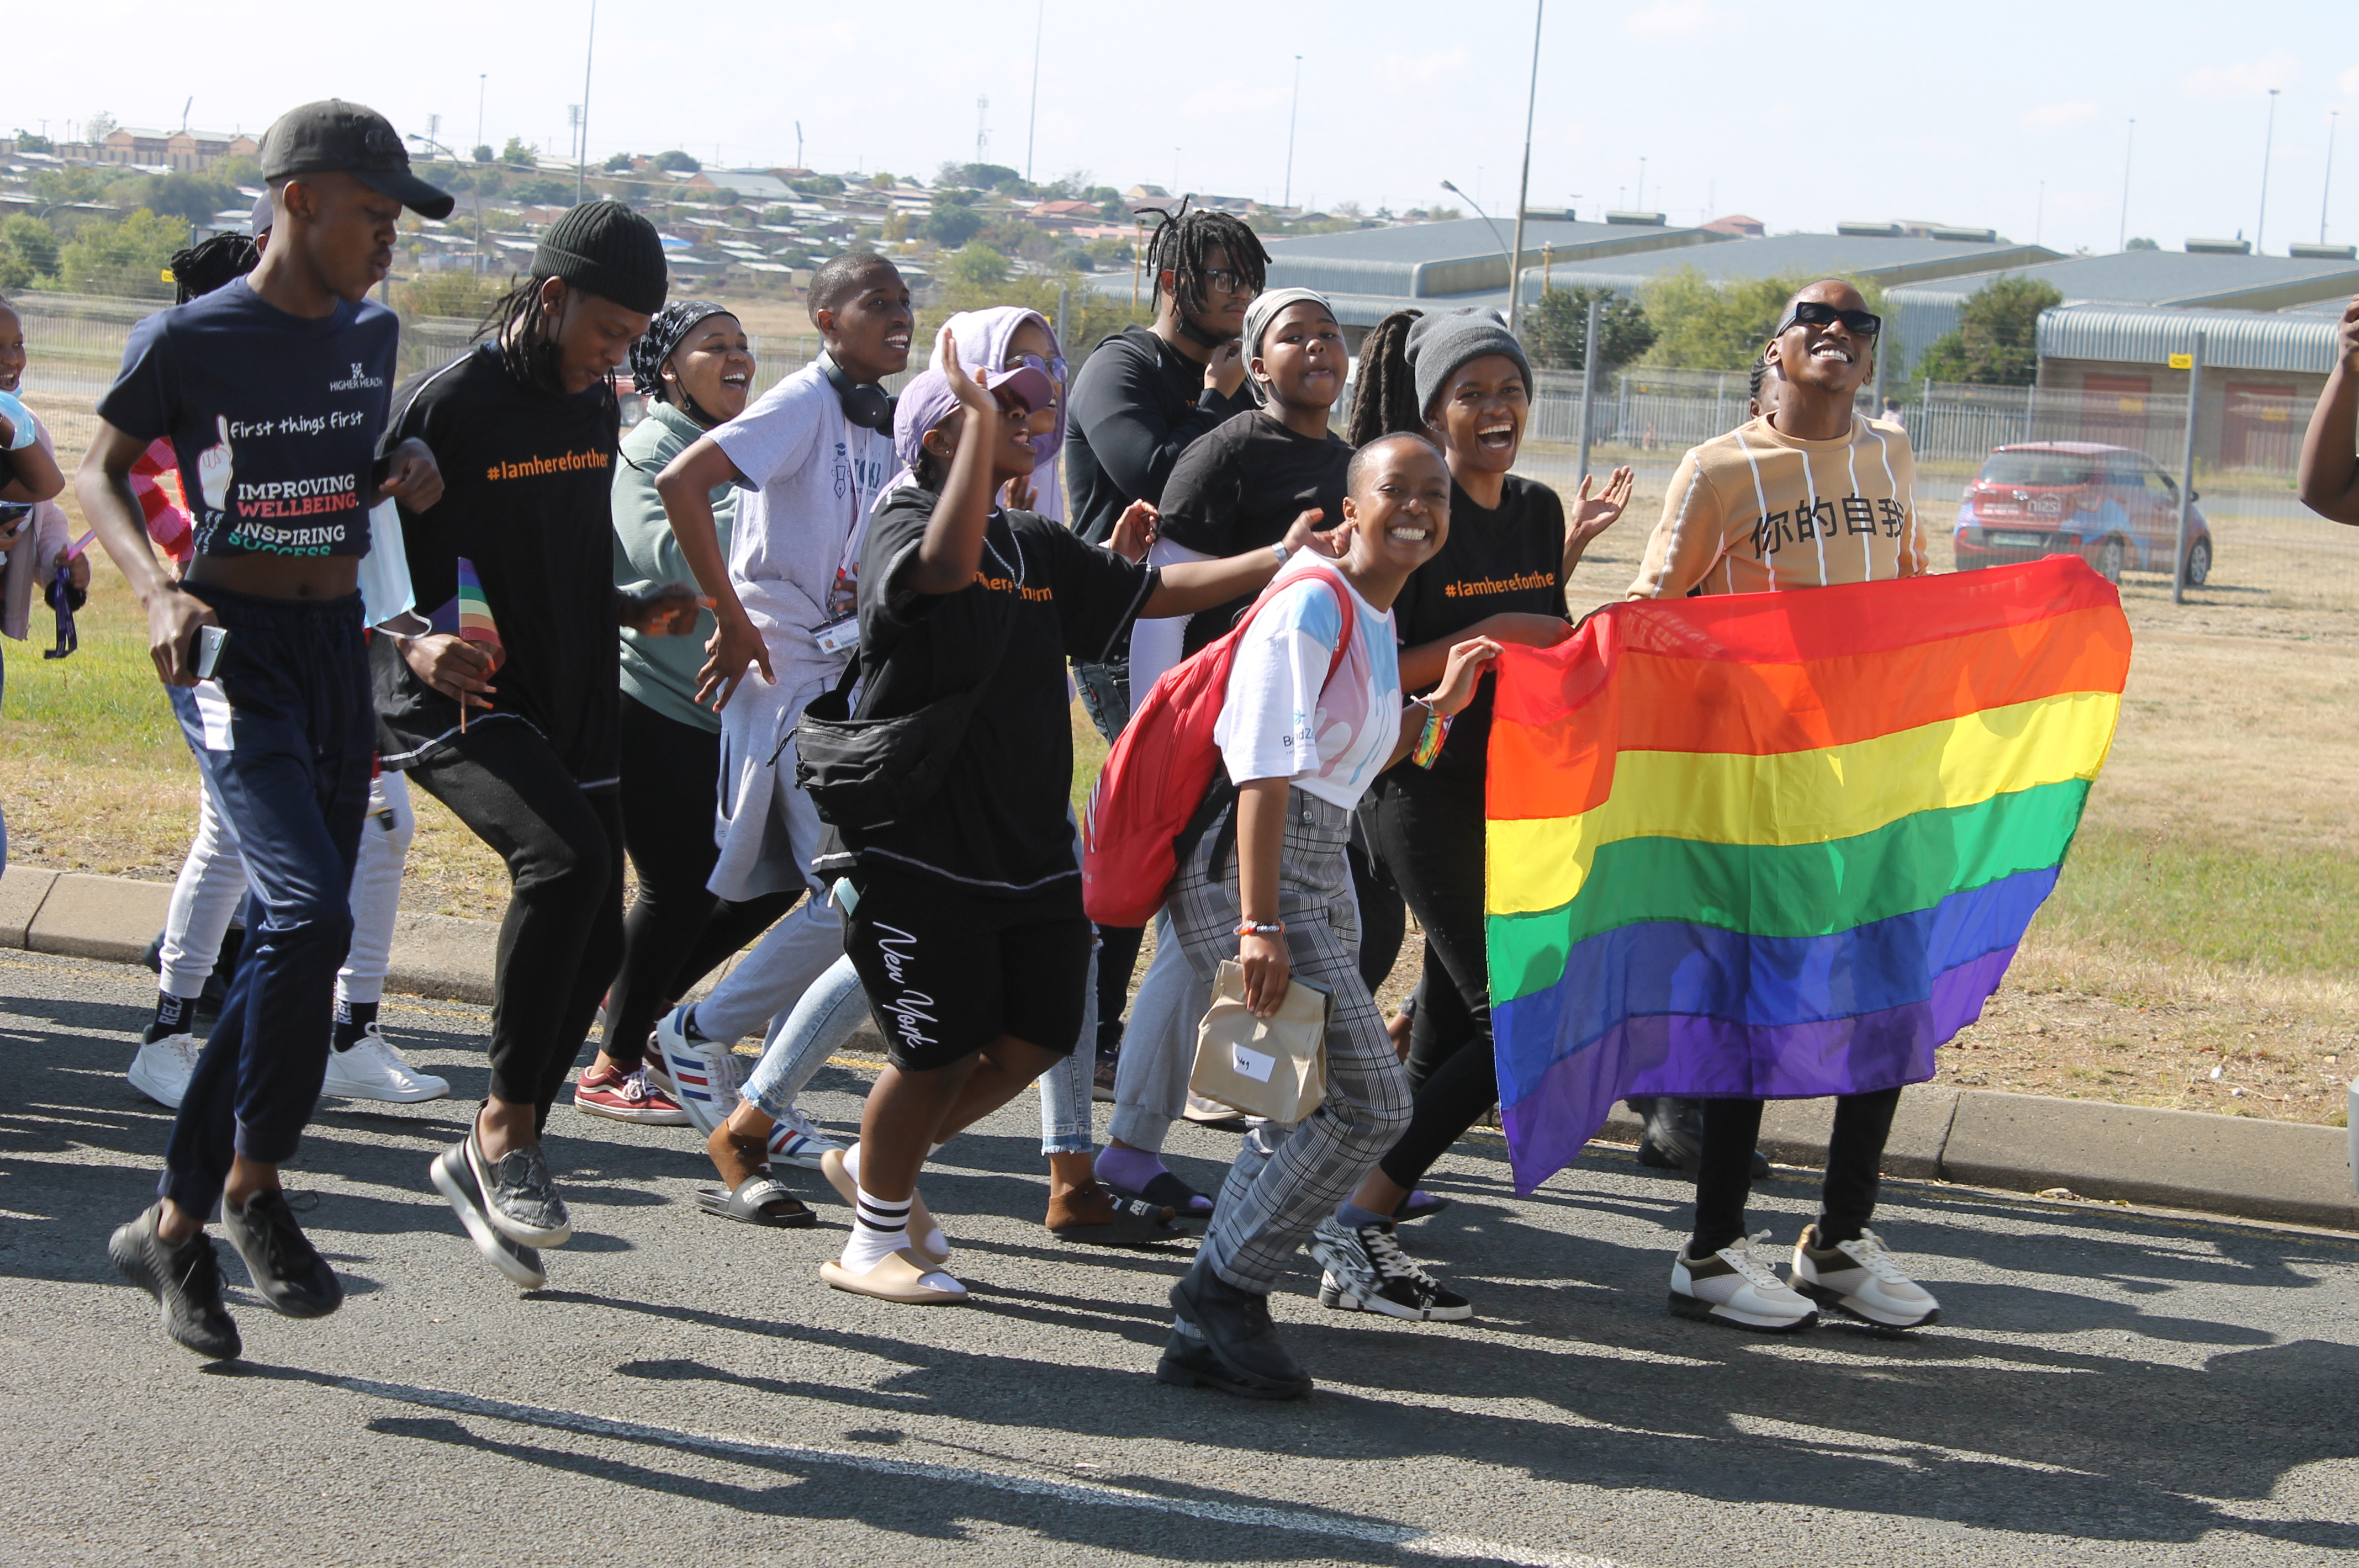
<point>979,175</point>
<point>29,251</point>
<point>1997,340</point>
<point>619,163</point>
<point>125,257</point>
<point>676,159</point>
<point>897,228</point>
<point>455,295</point>
<point>543,193</point>
<point>482,153</point>
<point>951,224</point>
<point>1090,317</point>
<point>191,198</point>
<point>1701,325</point>
<point>31,142</point>
<point>817,185</point>
<point>99,126</point>
<point>2141,243</point>
<point>1557,330</point>
<point>977,266</point>
<point>519,154</point>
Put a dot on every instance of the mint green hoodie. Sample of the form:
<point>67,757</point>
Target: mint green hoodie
<point>661,671</point>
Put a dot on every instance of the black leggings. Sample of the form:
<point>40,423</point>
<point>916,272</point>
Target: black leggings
<point>676,932</point>
<point>1732,1128</point>
<point>563,933</point>
<point>1429,831</point>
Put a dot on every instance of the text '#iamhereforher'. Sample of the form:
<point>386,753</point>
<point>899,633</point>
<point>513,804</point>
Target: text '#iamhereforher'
<point>536,468</point>
<point>1474,587</point>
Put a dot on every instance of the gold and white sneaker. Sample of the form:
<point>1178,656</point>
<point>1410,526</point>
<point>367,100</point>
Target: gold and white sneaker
<point>1738,1286</point>
<point>1860,1278</point>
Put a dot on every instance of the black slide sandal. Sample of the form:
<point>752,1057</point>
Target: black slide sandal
<point>1135,1222</point>
<point>753,1203</point>
<point>1166,1191</point>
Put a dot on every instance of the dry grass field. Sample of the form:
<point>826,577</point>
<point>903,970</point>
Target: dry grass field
<point>2197,953</point>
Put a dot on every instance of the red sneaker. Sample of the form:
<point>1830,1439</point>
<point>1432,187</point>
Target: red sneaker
<point>625,1097</point>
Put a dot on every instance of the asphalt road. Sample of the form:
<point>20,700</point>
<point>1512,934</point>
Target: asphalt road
<point>2107,1388</point>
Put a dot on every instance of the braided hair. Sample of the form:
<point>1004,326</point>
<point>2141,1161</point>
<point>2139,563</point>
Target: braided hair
<point>199,269</point>
<point>1182,238</point>
<point>525,334</point>
<point>1383,397</point>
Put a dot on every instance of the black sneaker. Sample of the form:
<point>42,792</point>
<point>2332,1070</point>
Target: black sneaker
<point>1367,1271</point>
<point>519,1195</point>
<point>1223,1339</point>
<point>456,1180</point>
<point>291,1274</point>
<point>185,1281</point>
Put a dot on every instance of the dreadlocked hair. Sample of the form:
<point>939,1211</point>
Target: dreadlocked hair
<point>1182,238</point>
<point>526,336</point>
<point>201,269</point>
<point>1384,394</point>
<point>1760,369</point>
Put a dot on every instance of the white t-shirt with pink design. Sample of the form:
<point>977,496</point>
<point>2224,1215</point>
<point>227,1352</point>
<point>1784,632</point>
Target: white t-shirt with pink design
<point>1283,719</point>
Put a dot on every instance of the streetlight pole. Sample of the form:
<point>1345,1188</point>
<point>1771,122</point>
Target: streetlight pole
<point>2326,194</point>
<point>582,165</point>
<point>2267,137</point>
<point>1290,115</point>
<point>481,79</point>
<point>1523,185</point>
<point>1032,120</point>
<point>2128,142</point>
<point>1497,238</point>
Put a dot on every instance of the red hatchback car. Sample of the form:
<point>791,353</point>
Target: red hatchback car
<point>2112,506</point>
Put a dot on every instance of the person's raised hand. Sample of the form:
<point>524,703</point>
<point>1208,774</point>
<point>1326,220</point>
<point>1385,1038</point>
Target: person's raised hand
<point>2348,342</point>
<point>1018,494</point>
<point>1304,534</point>
<point>459,669</point>
<point>77,567</point>
<point>1467,662</point>
<point>412,476</point>
<point>1134,530</point>
<point>214,467</point>
<point>735,643</point>
<point>978,403</point>
<point>1226,371</point>
<point>1268,970</point>
<point>666,611</point>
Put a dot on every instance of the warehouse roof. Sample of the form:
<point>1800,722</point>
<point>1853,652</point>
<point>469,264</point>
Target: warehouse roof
<point>2233,339</point>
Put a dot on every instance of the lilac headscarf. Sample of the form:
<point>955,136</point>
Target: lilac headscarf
<point>982,337</point>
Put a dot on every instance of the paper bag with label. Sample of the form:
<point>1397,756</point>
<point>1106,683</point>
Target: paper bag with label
<point>1274,1066</point>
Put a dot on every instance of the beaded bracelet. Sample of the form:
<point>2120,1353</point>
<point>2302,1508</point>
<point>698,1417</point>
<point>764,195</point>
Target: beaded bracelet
<point>1262,928</point>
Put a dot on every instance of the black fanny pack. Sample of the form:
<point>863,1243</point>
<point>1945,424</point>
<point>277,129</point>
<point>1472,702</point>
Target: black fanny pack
<point>865,773</point>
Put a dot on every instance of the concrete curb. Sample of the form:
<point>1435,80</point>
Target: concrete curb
<point>2195,1161</point>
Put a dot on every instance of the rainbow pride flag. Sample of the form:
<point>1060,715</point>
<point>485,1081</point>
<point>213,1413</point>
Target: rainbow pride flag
<point>475,622</point>
<point>1780,845</point>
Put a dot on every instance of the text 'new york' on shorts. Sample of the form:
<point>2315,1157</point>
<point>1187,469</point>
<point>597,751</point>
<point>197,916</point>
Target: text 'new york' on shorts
<point>948,972</point>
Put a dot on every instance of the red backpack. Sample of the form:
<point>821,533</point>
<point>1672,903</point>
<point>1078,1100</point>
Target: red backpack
<point>1161,766</point>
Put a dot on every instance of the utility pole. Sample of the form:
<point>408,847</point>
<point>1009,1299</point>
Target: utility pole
<point>589,48</point>
<point>2039,213</point>
<point>2187,469</point>
<point>1032,121</point>
<point>481,79</point>
<point>1590,334</point>
<point>982,129</point>
<point>2267,137</point>
<point>799,145</point>
<point>1523,185</point>
<point>2326,195</point>
<point>2128,142</point>
<point>1291,115</point>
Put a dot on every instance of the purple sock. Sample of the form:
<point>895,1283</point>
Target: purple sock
<point>1128,1168</point>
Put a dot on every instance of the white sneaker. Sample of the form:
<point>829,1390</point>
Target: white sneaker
<point>1737,1285</point>
<point>1860,1278</point>
<point>705,1074</point>
<point>372,1069</point>
<point>795,1141</point>
<point>161,1070</point>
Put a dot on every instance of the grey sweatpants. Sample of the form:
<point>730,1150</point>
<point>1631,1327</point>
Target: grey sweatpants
<point>1273,1199</point>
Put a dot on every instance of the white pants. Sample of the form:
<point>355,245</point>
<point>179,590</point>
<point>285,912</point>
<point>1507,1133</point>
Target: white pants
<point>793,954</point>
<point>212,883</point>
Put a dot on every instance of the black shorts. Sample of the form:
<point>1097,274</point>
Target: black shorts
<point>947,972</point>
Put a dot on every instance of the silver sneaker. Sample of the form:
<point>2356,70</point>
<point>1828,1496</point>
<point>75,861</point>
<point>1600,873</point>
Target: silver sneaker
<point>454,1179</point>
<point>520,1195</point>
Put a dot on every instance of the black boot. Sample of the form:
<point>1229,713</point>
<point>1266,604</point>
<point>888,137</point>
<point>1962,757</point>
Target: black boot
<point>1223,1339</point>
<point>1673,1139</point>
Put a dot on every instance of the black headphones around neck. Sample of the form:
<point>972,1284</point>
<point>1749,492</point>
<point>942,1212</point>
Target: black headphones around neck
<point>870,407</point>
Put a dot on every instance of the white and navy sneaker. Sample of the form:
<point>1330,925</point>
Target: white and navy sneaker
<point>1367,1271</point>
<point>370,1068</point>
<point>1737,1285</point>
<point>795,1141</point>
<point>705,1074</point>
<point>1859,1278</point>
<point>162,1069</point>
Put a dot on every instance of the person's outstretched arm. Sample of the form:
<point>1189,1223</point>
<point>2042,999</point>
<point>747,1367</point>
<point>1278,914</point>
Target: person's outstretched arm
<point>2329,475</point>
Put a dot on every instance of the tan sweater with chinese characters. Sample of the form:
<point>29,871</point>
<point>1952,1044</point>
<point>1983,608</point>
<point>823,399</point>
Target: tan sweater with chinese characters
<point>1757,509</point>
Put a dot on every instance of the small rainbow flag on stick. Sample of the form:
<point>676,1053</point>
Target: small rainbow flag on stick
<point>475,622</point>
<point>1780,845</point>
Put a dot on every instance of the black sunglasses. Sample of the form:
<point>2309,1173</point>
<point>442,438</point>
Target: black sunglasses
<point>1817,313</point>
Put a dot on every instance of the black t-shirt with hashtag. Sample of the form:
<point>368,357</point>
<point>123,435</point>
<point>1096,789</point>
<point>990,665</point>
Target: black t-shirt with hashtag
<point>999,826</point>
<point>1506,560</point>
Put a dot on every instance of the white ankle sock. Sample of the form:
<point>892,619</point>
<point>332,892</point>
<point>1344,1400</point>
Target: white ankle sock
<point>934,1240</point>
<point>880,1228</point>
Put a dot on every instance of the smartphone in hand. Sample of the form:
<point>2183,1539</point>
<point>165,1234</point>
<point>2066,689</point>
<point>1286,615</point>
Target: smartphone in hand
<point>210,640</point>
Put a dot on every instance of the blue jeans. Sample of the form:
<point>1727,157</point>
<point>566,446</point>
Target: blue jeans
<point>289,730</point>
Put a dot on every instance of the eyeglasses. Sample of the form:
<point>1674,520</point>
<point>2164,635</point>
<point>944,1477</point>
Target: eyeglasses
<point>1052,367</point>
<point>1817,313</point>
<point>1227,280</point>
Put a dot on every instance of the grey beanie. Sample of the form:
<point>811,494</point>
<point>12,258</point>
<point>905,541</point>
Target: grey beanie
<point>1264,309</point>
<point>1439,345</point>
<point>608,250</point>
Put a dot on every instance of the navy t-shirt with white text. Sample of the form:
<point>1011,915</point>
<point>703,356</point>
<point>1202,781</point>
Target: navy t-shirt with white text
<point>273,418</point>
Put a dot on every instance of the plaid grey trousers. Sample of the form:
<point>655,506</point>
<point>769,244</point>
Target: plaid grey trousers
<point>1286,1180</point>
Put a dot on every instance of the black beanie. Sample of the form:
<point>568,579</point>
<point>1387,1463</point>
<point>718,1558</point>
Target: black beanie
<point>605,249</point>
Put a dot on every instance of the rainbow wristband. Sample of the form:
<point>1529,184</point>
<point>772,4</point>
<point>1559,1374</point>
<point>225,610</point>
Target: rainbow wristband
<point>1427,749</point>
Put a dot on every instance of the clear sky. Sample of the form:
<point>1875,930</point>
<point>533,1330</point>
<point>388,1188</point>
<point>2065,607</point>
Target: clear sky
<point>1800,116</point>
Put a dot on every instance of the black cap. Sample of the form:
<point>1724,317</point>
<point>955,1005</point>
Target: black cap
<point>333,134</point>
<point>610,251</point>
